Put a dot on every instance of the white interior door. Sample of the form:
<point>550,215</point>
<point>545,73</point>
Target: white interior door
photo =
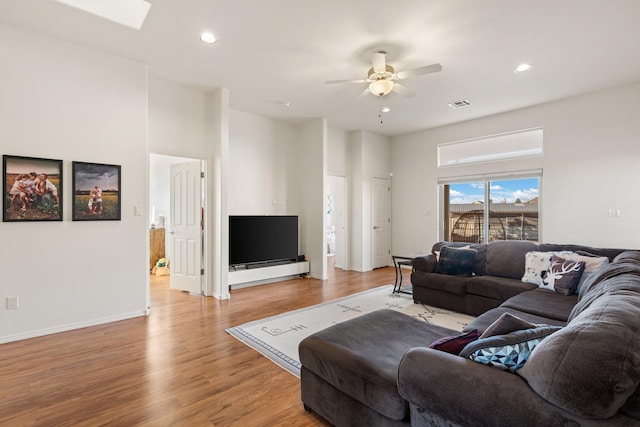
<point>186,232</point>
<point>381,220</point>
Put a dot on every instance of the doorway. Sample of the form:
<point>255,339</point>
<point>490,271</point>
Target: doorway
<point>337,221</point>
<point>162,215</point>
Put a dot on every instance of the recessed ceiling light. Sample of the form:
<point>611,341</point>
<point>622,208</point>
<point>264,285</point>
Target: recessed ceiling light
<point>385,109</point>
<point>522,68</point>
<point>208,37</point>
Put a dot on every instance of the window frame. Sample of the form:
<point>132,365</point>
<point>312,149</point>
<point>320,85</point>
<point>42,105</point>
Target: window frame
<point>519,144</point>
<point>486,179</point>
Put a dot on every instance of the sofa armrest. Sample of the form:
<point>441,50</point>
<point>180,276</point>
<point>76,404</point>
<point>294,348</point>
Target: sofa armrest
<point>425,263</point>
<point>442,386</point>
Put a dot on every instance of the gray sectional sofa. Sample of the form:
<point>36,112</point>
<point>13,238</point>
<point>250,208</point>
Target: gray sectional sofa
<point>497,271</point>
<point>378,369</point>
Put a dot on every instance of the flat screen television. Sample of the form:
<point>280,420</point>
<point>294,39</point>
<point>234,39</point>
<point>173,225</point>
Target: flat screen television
<point>259,239</point>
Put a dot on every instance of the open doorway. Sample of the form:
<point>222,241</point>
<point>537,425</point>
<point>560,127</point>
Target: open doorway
<point>166,210</point>
<point>337,221</point>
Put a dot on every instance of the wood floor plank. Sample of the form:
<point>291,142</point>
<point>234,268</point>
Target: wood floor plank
<point>175,367</point>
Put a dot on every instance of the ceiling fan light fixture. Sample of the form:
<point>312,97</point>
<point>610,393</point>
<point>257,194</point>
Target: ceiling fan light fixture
<point>208,37</point>
<point>381,87</point>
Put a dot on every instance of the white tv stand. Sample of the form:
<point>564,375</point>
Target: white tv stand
<point>245,277</point>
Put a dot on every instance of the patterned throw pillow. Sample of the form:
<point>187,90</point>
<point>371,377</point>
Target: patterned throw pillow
<point>454,344</point>
<point>536,263</point>
<point>507,352</point>
<point>456,261</point>
<point>563,275</point>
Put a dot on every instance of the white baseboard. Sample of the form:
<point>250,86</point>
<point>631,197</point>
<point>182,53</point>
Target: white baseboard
<point>71,327</point>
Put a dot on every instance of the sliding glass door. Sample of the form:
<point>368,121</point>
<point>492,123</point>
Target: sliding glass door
<point>491,208</point>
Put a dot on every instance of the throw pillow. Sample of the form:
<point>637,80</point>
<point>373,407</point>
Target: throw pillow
<point>507,352</point>
<point>592,263</point>
<point>456,261</point>
<point>536,263</point>
<point>505,324</point>
<point>437,253</point>
<point>563,275</point>
<point>454,344</point>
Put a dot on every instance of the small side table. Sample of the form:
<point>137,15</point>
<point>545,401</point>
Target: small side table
<point>398,262</point>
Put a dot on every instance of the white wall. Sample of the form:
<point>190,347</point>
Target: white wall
<point>66,102</point>
<point>339,165</point>
<point>370,158</point>
<point>180,119</point>
<point>263,175</point>
<point>312,171</point>
<point>338,152</point>
<point>356,142</point>
<point>591,156</point>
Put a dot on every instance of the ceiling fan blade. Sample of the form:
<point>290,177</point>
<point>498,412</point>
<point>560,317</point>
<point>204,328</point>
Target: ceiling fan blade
<point>331,82</point>
<point>379,62</point>
<point>401,90</point>
<point>364,93</point>
<point>427,69</point>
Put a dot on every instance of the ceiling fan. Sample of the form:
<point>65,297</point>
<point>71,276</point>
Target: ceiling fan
<point>382,77</point>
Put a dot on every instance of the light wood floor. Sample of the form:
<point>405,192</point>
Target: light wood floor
<point>176,367</point>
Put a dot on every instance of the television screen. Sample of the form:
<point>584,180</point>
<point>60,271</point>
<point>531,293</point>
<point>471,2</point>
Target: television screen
<point>254,239</point>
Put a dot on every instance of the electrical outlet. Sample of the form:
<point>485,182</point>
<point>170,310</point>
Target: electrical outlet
<point>12,303</point>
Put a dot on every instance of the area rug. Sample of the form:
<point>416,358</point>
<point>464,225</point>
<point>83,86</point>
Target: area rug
<point>277,337</point>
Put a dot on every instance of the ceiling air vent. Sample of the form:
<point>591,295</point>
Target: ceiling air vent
<point>459,104</point>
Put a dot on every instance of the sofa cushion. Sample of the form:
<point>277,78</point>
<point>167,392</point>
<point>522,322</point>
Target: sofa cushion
<point>554,247</point>
<point>456,261</point>
<point>482,322</point>
<point>505,324</point>
<point>498,288</point>
<point>592,264</point>
<point>617,276</point>
<point>563,275</point>
<point>441,282</point>
<point>632,257</point>
<point>360,357</point>
<point>507,352</point>
<point>591,366</point>
<point>543,303</point>
<point>505,258</point>
<point>455,343</point>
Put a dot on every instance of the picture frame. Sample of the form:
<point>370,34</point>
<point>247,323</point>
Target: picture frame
<point>32,189</point>
<point>96,192</point>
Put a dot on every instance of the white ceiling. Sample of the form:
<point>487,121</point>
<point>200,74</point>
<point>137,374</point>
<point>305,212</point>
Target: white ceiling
<point>274,51</point>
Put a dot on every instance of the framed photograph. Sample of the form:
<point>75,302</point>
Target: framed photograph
<point>96,192</point>
<point>32,189</point>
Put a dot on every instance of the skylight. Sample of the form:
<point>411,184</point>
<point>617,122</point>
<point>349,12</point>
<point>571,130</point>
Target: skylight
<point>130,13</point>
